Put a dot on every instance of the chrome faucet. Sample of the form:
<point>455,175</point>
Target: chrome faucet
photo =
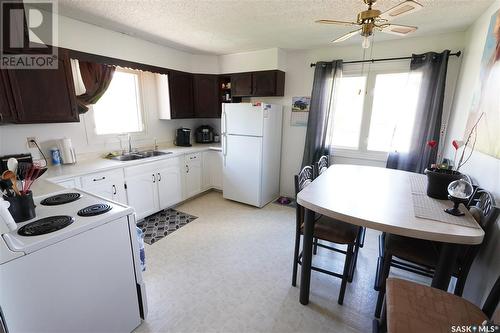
<point>129,143</point>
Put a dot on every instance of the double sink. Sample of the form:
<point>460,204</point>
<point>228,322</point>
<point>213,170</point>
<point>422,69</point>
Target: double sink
<point>139,155</point>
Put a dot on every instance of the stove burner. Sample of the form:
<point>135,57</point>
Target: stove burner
<point>94,210</point>
<point>60,199</point>
<point>45,225</point>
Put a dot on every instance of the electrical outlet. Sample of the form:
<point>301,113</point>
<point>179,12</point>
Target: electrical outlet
<point>30,142</point>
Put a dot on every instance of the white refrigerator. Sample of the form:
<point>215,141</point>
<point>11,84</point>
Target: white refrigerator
<point>251,148</point>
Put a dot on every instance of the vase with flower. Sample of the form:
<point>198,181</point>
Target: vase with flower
<point>440,175</point>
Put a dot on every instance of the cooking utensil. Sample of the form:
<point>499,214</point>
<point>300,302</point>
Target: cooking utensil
<point>31,175</point>
<point>9,175</point>
<point>22,168</point>
<point>12,165</point>
<point>6,188</point>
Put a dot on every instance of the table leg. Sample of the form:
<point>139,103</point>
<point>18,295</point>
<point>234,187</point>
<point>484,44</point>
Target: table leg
<point>445,266</point>
<point>305,273</point>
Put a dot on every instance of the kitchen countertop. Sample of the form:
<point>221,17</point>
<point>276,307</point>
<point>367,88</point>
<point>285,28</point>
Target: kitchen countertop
<point>45,184</point>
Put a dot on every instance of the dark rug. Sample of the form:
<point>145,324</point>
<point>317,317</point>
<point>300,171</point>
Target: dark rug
<point>161,224</point>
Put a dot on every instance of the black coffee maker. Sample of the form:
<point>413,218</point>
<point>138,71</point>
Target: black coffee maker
<point>204,134</point>
<point>183,137</point>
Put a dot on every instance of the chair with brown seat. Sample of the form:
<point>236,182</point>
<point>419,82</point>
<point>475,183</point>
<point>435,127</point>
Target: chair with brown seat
<point>319,167</point>
<point>412,307</point>
<point>326,229</point>
<point>421,256</point>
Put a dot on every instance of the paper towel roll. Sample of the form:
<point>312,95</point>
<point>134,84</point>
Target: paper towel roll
<point>68,155</point>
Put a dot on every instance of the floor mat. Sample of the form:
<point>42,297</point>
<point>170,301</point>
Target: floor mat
<point>161,224</point>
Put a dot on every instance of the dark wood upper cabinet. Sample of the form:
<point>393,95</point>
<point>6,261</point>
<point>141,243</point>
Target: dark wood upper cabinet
<point>241,84</point>
<point>181,95</point>
<point>258,84</point>
<point>268,83</point>
<point>44,95</point>
<point>206,96</point>
<point>6,103</point>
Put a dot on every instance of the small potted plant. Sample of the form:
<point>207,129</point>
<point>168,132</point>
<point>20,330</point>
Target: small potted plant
<point>440,175</point>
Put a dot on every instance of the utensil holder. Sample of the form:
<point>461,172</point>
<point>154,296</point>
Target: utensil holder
<point>22,208</point>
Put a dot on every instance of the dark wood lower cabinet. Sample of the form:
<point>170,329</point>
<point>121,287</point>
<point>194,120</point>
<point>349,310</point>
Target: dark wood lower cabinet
<point>206,96</point>
<point>44,95</point>
<point>181,95</point>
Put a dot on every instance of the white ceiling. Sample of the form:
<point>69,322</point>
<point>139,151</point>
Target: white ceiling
<point>230,26</point>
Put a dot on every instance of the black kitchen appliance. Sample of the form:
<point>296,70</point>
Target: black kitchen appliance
<point>183,137</point>
<point>204,134</point>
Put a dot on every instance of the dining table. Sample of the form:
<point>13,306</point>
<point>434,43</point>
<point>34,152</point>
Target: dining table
<point>381,199</point>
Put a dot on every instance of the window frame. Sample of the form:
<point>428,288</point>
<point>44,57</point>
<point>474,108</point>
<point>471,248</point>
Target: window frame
<point>371,71</point>
<point>89,119</point>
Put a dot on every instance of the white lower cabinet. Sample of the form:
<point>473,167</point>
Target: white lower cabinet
<point>142,190</point>
<point>169,183</point>
<point>192,175</point>
<point>154,186</point>
<point>212,169</point>
<point>109,184</point>
<point>70,183</point>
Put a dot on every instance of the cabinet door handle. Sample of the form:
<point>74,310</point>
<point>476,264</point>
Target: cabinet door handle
<point>114,190</point>
<point>159,177</point>
<point>187,168</point>
<point>99,179</point>
<point>154,178</point>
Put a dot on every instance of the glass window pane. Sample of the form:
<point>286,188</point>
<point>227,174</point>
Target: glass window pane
<point>348,111</point>
<point>393,111</point>
<point>119,109</point>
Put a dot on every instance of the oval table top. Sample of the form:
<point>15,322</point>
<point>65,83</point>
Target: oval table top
<point>380,199</point>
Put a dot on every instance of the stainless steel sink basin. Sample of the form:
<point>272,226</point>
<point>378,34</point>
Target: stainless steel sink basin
<point>152,153</point>
<point>139,155</point>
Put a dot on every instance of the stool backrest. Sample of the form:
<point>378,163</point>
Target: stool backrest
<point>490,306</point>
<point>482,207</point>
<point>304,178</point>
<point>321,166</point>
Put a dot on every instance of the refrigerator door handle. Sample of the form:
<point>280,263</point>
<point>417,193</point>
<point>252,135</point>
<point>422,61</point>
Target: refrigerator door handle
<point>224,122</point>
<point>224,148</point>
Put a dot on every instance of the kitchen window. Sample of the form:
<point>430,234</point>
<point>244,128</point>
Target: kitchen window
<point>374,111</point>
<point>120,109</point>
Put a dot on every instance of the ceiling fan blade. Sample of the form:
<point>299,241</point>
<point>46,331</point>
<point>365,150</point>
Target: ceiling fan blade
<point>343,23</point>
<point>397,29</point>
<point>404,8</point>
<point>347,36</point>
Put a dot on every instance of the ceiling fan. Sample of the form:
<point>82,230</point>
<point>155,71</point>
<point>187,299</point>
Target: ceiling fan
<point>373,19</point>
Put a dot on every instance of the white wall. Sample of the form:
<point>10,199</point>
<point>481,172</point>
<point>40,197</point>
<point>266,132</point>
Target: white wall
<point>253,61</point>
<point>485,169</point>
<point>299,78</point>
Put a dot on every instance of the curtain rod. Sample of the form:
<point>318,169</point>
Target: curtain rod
<point>456,54</point>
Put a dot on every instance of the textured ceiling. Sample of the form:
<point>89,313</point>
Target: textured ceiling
<point>225,26</point>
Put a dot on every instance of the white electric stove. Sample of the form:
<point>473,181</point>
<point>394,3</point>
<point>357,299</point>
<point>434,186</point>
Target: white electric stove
<point>73,268</point>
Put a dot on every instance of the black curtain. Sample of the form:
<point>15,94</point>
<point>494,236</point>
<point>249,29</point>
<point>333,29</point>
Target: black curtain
<point>325,75</point>
<point>427,126</point>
